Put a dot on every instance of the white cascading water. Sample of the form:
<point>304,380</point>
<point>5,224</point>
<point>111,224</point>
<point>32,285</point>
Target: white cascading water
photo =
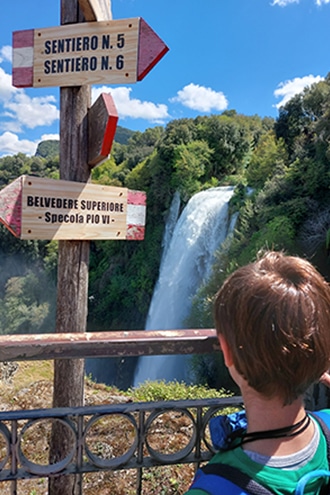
<point>170,224</point>
<point>186,264</point>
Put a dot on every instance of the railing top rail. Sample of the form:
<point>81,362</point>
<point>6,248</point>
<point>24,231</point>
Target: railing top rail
<point>107,344</point>
<point>127,408</point>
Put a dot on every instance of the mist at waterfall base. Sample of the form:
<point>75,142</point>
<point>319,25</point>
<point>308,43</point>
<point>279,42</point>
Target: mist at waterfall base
<point>190,244</point>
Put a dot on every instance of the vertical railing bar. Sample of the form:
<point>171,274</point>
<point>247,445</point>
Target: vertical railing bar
<point>199,424</point>
<point>13,487</point>
<point>80,430</point>
<point>141,434</point>
<point>139,472</point>
<point>13,452</point>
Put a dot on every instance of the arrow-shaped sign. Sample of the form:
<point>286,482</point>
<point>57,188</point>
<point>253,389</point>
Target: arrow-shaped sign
<point>39,208</point>
<point>108,52</point>
<point>102,125</point>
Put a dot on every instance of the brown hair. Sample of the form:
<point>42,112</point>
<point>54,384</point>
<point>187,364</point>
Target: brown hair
<point>275,317</point>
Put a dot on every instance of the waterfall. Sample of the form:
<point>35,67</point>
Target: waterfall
<point>171,221</point>
<point>186,264</point>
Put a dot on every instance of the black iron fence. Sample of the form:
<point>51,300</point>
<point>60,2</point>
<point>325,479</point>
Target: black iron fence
<point>151,431</point>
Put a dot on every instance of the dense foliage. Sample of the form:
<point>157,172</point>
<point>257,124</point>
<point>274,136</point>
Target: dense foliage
<point>281,170</point>
<point>288,207</point>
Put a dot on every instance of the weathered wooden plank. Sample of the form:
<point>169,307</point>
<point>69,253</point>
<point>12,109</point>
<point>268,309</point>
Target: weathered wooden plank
<point>96,10</point>
<point>40,208</point>
<point>95,53</point>
<point>107,344</point>
<point>108,52</point>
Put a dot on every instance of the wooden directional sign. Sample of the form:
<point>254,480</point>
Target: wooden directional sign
<point>102,124</point>
<point>38,208</point>
<point>108,52</point>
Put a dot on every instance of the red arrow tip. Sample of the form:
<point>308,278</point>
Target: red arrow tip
<point>151,50</point>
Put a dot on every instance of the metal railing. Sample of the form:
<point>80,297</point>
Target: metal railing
<point>147,441</point>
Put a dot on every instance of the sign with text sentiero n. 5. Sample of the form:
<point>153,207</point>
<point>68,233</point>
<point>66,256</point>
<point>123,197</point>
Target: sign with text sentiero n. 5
<point>38,208</point>
<point>107,52</point>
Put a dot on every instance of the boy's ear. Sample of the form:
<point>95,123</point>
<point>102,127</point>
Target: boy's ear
<point>227,354</point>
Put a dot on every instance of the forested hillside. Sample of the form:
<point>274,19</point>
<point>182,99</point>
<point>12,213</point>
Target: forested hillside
<point>282,172</point>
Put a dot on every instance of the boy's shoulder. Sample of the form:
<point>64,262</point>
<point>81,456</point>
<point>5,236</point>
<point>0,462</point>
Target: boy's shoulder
<point>210,479</point>
<point>217,478</point>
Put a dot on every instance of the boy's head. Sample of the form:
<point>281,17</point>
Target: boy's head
<point>275,317</point>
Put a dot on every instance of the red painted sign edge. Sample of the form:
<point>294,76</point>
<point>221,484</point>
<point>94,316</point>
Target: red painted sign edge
<point>22,77</point>
<point>136,232</point>
<point>111,127</point>
<point>11,207</point>
<point>151,49</point>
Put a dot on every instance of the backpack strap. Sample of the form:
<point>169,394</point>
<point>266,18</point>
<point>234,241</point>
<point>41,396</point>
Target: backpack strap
<point>216,478</point>
<point>319,473</point>
<point>323,419</point>
<point>322,414</point>
<point>215,484</point>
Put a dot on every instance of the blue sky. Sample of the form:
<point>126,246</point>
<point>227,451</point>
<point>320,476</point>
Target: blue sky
<point>247,55</point>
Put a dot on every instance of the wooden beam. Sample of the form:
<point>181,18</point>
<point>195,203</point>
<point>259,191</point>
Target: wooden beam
<point>107,344</point>
<point>96,10</point>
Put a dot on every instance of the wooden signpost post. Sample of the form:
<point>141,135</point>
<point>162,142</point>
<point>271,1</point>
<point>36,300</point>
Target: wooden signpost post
<point>96,10</point>
<point>73,56</point>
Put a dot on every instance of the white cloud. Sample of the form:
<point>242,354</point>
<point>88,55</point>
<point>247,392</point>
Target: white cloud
<point>50,137</point>
<point>6,53</point>
<point>6,88</point>
<point>200,98</point>
<point>18,110</point>
<point>10,145</point>
<point>286,90</point>
<point>32,112</point>
<point>132,107</point>
<point>11,125</point>
<point>284,3</point>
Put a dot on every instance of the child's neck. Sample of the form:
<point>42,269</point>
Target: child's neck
<point>265,414</point>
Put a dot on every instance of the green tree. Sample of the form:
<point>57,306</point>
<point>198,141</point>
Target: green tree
<point>269,155</point>
<point>28,305</point>
<point>109,173</point>
<point>230,141</point>
<point>48,149</point>
<point>190,162</point>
